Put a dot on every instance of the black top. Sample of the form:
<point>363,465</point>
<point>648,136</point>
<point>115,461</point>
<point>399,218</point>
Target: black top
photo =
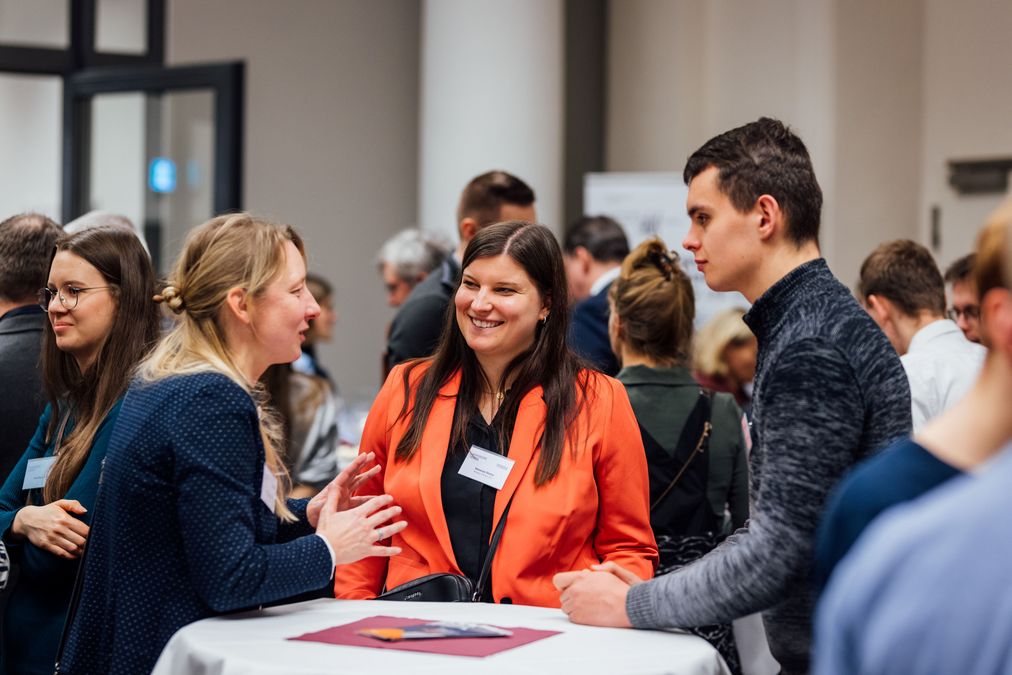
<point>418,323</point>
<point>467,504</point>
<point>21,381</point>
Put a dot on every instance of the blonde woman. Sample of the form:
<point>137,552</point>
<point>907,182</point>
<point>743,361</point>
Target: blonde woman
<point>725,354</point>
<point>192,519</point>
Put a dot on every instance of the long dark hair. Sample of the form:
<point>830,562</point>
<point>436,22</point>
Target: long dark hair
<point>125,265</point>
<point>548,362</point>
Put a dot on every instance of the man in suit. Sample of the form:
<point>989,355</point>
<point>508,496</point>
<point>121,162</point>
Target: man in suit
<point>26,246</point>
<point>492,197</point>
<point>594,248</point>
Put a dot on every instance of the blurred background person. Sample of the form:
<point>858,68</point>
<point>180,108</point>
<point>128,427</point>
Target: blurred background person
<point>903,291</point>
<point>406,259</point>
<point>694,444</point>
<point>724,356</point>
<point>926,588</point>
<point>321,329</point>
<point>26,249</point>
<point>101,323</point>
<point>593,248</point>
<point>963,298</point>
<point>106,219</point>
<point>309,412</point>
<point>503,379</point>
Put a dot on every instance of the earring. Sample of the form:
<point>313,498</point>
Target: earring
<point>544,321</point>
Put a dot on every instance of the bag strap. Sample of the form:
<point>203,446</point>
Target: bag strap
<point>486,566</point>
<point>704,400</point>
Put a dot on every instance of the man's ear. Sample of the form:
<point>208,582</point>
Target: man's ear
<point>468,228</point>
<point>238,304</point>
<point>771,217</point>
<point>879,308</point>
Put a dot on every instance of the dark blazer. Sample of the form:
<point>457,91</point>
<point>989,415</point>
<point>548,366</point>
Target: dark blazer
<point>179,530</point>
<point>37,606</point>
<point>418,323</point>
<point>588,332</point>
<point>20,381</point>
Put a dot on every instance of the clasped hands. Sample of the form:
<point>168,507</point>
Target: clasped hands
<point>596,596</point>
<point>53,527</point>
<point>354,525</point>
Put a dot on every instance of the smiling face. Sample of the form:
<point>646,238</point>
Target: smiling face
<point>283,311</point>
<point>81,331</point>
<point>498,308</point>
<point>723,240</point>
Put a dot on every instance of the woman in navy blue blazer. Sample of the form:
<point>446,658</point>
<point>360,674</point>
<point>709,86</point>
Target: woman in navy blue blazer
<point>101,323</point>
<point>192,519</point>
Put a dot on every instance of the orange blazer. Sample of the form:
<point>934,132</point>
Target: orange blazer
<point>596,509</point>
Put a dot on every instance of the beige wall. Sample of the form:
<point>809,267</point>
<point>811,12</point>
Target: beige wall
<point>882,93</point>
<point>331,139</point>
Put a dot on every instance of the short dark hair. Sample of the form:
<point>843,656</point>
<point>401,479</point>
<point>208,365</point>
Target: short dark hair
<point>764,157</point>
<point>905,273</point>
<point>484,196</point>
<point>26,248</point>
<point>961,270</point>
<point>602,236</point>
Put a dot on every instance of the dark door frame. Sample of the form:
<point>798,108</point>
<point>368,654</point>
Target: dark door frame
<point>226,80</point>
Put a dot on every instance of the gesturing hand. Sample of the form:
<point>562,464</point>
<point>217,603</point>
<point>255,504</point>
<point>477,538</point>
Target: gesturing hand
<point>52,528</point>
<point>344,486</point>
<point>356,532</point>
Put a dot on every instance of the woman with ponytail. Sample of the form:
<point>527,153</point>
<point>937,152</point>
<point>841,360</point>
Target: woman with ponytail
<point>194,518</point>
<point>101,323</point>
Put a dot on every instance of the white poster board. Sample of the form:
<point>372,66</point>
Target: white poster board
<point>653,204</point>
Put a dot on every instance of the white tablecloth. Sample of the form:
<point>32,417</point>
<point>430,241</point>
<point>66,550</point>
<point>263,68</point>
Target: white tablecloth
<point>254,642</point>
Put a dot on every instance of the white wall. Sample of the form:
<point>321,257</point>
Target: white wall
<point>850,78</point>
<point>967,110</point>
<point>331,139</point>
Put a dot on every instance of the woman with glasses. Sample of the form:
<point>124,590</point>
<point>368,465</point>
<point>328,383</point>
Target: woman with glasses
<point>101,322</point>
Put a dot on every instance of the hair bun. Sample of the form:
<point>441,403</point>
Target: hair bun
<point>662,260</point>
<point>170,296</point>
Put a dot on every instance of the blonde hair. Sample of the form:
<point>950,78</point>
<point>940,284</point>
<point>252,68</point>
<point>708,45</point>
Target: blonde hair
<point>992,267</point>
<point>724,329</point>
<point>653,299</point>
<point>229,251</point>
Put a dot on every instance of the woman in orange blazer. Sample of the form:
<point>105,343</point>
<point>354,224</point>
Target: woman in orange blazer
<point>504,377</point>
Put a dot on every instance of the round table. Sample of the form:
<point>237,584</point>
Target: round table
<point>255,642</point>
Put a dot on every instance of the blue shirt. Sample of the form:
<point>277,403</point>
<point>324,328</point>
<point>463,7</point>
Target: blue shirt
<point>903,471</point>
<point>928,589</point>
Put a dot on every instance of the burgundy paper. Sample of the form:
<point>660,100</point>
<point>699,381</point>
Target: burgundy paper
<point>477,647</point>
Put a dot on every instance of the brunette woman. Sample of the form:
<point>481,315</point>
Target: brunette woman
<point>101,323</point>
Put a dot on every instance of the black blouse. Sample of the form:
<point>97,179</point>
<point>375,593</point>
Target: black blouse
<point>467,504</point>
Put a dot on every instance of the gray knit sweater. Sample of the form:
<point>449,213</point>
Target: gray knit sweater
<point>829,390</point>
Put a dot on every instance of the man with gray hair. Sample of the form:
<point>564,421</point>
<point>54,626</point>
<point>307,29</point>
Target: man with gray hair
<point>26,247</point>
<point>406,259</point>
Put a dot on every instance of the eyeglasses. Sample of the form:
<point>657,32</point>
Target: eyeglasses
<point>971,312</point>
<point>69,295</point>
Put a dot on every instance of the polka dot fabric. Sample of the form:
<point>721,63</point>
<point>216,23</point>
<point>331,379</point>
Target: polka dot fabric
<point>179,531</point>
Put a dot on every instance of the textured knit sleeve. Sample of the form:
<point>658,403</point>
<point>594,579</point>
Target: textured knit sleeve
<point>219,472</point>
<point>812,424</point>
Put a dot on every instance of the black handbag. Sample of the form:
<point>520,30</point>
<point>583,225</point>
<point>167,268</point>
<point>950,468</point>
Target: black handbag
<point>447,587</point>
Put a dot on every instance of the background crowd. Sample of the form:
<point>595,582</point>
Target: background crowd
<point>828,458</point>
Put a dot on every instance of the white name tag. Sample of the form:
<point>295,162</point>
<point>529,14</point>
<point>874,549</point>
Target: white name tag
<point>269,488</point>
<point>486,467</point>
<point>37,471</point>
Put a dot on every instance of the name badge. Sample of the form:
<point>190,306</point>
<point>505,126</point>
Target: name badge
<point>37,471</point>
<point>486,467</point>
<point>269,488</point>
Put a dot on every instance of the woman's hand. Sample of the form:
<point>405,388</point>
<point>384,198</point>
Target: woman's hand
<point>356,532</point>
<point>52,528</point>
<point>344,486</point>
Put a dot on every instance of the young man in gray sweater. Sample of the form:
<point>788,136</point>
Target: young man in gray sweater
<point>829,390</point>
